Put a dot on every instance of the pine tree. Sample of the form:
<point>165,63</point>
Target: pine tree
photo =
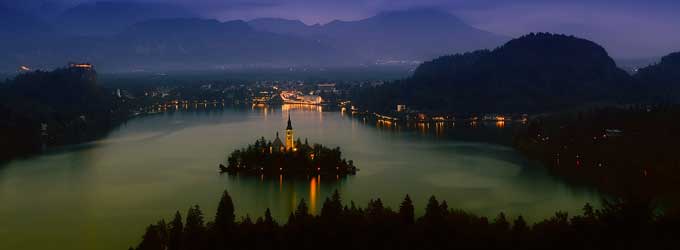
<point>520,225</point>
<point>268,220</point>
<point>433,210</point>
<point>194,229</point>
<point>175,232</point>
<point>302,210</point>
<point>406,210</point>
<point>224,219</point>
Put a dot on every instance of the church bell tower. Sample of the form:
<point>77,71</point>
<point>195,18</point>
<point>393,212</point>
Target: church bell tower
<point>290,144</point>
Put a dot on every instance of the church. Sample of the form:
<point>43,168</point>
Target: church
<point>278,146</point>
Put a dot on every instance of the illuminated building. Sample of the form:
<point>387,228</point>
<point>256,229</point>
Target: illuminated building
<point>24,68</point>
<point>290,144</point>
<point>401,108</point>
<point>80,65</point>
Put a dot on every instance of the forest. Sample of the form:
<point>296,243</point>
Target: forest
<point>619,224</point>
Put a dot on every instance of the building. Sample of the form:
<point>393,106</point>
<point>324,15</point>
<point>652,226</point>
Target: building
<point>326,87</point>
<point>24,68</point>
<point>277,145</point>
<point>290,144</point>
<point>401,108</point>
<point>80,66</point>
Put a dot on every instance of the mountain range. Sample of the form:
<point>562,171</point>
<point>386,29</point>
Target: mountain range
<point>417,34</point>
<point>130,36</point>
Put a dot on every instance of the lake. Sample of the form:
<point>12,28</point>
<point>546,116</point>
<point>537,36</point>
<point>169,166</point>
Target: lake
<point>103,194</point>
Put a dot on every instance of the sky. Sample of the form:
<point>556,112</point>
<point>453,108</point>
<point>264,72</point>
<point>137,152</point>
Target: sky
<point>627,28</point>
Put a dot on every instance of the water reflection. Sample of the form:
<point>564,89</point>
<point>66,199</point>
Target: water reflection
<point>500,124</point>
<point>301,107</point>
<point>280,193</point>
<point>313,193</point>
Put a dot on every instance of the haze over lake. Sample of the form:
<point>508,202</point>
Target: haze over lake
<point>102,194</point>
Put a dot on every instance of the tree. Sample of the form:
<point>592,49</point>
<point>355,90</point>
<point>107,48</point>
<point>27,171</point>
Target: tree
<point>501,222</point>
<point>268,220</point>
<point>194,229</point>
<point>444,208</point>
<point>406,210</point>
<point>154,238</point>
<point>175,232</point>
<point>224,219</point>
<point>302,211</point>
<point>332,208</point>
<point>433,210</point>
<point>375,209</point>
<point>520,225</point>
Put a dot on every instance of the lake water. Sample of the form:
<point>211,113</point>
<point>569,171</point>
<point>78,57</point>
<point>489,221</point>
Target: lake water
<point>102,195</point>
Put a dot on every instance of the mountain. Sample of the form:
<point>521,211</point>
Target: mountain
<point>415,34</point>
<point>282,26</point>
<point>172,44</point>
<point>127,36</point>
<point>201,43</point>
<point>106,18</point>
<point>662,79</point>
<point>535,73</point>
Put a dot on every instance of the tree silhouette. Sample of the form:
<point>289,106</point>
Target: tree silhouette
<point>194,229</point>
<point>175,232</point>
<point>406,210</point>
<point>224,219</point>
<point>378,227</point>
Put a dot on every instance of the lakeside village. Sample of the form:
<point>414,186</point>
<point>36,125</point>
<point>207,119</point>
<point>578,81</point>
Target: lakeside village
<point>322,95</point>
<point>294,158</point>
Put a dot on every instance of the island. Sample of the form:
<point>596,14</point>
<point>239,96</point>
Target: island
<point>292,158</point>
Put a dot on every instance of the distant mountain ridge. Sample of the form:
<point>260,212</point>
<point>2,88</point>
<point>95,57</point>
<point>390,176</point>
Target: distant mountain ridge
<point>131,36</point>
<point>210,42</point>
<point>416,34</point>
<point>108,17</point>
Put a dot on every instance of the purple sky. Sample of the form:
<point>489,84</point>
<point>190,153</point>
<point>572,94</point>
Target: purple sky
<point>628,29</point>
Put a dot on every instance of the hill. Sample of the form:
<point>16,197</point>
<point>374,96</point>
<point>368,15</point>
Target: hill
<point>534,73</point>
<point>662,79</point>
<point>68,102</point>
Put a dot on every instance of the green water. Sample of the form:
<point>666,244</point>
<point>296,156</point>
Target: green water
<point>102,195</point>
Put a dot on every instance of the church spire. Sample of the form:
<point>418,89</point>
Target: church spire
<point>290,144</point>
<point>290,127</point>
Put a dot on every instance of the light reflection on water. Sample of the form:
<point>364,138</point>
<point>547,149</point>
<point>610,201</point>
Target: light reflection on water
<point>103,194</point>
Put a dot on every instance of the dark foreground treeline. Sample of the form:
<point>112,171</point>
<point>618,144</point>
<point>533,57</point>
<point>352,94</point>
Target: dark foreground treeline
<point>624,151</point>
<point>618,224</point>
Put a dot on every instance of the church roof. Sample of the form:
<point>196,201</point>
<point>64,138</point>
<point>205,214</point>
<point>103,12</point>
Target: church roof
<point>289,127</point>
<point>277,142</point>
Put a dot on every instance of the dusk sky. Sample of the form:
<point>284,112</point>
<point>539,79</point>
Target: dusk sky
<point>627,28</point>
